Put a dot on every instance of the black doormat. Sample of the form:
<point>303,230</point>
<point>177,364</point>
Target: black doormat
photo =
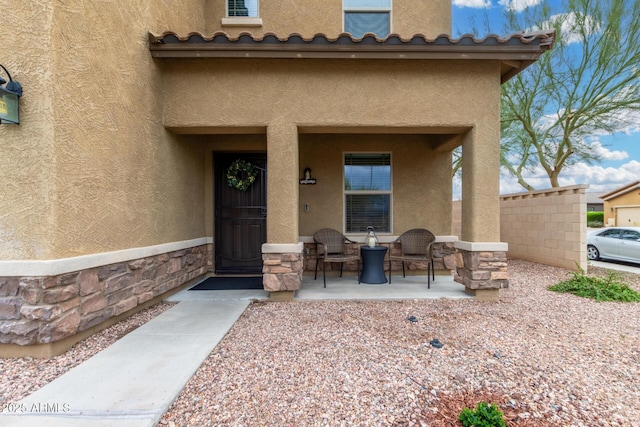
<point>229,283</point>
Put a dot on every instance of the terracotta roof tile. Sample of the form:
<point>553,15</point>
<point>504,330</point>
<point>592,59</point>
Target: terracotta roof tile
<point>515,51</point>
<point>541,38</point>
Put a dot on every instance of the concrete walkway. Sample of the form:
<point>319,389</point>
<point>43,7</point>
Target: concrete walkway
<point>617,265</point>
<point>133,382</point>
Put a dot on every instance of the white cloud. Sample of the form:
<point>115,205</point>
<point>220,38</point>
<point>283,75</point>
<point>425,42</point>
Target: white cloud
<point>625,122</point>
<point>568,23</point>
<point>599,178</point>
<point>475,4</point>
<point>518,5</point>
<point>605,154</point>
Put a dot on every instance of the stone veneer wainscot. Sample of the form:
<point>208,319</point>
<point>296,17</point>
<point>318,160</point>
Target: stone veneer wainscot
<point>48,309</point>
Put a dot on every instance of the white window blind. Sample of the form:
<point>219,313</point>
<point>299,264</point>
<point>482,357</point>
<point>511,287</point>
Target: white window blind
<point>360,23</point>
<point>247,8</point>
<point>367,187</point>
<point>367,16</point>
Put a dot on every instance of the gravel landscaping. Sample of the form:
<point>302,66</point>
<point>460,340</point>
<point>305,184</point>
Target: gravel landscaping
<point>546,359</point>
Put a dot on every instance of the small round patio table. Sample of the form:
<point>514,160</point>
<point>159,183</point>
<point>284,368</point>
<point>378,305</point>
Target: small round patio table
<point>373,265</point>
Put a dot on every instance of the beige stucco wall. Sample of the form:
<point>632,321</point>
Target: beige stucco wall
<point>284,17</point>
<point>481,183</point>
<point>434,95</point>
<point>91,168</point>
<point>421,180</point>
<point>547,226</point>
<point>26,194</point>
<point>327,96</point>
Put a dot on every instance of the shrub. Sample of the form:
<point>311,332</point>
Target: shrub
<point>608,288</point>
<point>485,415</point>
<point>595,219</point>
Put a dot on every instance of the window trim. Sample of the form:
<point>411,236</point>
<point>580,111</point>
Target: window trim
<point>372,192</point>
<point>226,7</point>
<point>241,21</point>
<point>388,10</point>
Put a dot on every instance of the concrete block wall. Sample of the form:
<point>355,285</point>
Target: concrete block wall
<point>545,226</point>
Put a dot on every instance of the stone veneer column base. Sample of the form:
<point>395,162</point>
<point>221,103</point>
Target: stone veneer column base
<point>482,269</point>
<point>282,266</point>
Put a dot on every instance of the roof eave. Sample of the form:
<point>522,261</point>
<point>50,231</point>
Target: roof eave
<point>515,52</point>
<point>620,191</point>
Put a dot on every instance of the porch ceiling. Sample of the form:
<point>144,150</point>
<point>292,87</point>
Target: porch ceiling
<point>443,138</point>
<point>515,52</point>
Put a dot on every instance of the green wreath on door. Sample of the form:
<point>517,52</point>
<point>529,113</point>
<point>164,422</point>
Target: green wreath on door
<point>241,175</point>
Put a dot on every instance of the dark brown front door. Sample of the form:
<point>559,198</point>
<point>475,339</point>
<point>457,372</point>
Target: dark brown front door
<point>240,217</point>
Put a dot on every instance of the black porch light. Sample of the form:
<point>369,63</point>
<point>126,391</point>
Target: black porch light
<point>9,99</point>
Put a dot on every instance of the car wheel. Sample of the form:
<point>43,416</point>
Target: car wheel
<point>592,253</point>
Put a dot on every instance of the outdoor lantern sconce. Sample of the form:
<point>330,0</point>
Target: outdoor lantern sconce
<point>9,99</point>
<point>307,177</point>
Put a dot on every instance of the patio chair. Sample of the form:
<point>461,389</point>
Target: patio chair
<point>330,247</point>
<point>415,245</point>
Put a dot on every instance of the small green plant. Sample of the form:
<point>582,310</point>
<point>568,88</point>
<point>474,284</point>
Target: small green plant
<point>609,288</point>
<point>485,415</point>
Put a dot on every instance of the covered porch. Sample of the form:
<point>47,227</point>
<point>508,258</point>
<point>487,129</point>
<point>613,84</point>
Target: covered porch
<point>412,287</point>
<point>308,106</point>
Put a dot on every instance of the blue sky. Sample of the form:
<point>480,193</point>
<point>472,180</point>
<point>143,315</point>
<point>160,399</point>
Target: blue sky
<point>620,151</point>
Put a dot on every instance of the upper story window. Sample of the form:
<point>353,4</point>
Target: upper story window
<point>367,192</point>
<point>367,16</point>
<point>246,8</point>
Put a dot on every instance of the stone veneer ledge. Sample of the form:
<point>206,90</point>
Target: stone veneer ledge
<point>280,248</point>
<point>482,246</point>
<point>382,238</point>
<point>17,268</point>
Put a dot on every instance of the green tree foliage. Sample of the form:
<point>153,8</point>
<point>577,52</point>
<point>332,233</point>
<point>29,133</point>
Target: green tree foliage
<point>595,219</point>
<point>583,87</point>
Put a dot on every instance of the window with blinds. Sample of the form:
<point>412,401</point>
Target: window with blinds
<point>247,8</point>
<point>367,192</point>
<point>367,16</point>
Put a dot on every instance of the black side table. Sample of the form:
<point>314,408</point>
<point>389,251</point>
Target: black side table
<point>373,265</point>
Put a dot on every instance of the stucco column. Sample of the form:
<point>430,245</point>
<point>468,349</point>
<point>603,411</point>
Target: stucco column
<point>282,254</point>
<point>481,185</point>
<point>282,183</point>
<point>482,258</point>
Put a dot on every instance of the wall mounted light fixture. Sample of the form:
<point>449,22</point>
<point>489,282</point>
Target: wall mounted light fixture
<point>307,179</point>
<point>9,99</point>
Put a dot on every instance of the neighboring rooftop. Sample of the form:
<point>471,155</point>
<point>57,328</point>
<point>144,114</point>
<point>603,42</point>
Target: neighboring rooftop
<point>620,191</point>
<point>593,197</point>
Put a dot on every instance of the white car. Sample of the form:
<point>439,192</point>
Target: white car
<point>617,243</point>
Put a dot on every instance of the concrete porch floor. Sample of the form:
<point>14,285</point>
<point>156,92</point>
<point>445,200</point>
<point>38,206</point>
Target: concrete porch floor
<point>345,288</point>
